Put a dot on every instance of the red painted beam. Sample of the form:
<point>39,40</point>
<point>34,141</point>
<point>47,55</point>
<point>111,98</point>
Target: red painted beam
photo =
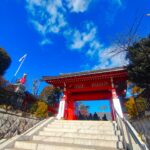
<point>90,89</point>
<point>91,96</point>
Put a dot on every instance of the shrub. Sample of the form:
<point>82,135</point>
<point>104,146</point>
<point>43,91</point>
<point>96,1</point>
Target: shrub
<point>131,107</point>
<point>33,108</point>
<point>41,110</point>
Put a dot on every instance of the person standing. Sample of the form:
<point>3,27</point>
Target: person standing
<point>104,117</point>
<point>95,117</point>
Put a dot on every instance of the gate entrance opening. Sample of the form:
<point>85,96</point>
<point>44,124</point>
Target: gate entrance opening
<point>85,110</point>
<point>106,84</point>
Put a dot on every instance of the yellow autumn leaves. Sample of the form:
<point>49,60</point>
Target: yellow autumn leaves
<point>39,109</point>
<point>136,106</point>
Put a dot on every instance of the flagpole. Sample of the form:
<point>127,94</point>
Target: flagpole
<point>22,59</point>
<point>19,68</point>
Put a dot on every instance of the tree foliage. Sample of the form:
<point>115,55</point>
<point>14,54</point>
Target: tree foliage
<point>136,105</point>
<point>139,63</point>
<point>131,107</point>
<point>136,90</point>
<point>5,61</point>
<point>39,109</point>
<point>84,110</point>
<point>50,94</point>
<point>2,81</point>
<point>34,108</point>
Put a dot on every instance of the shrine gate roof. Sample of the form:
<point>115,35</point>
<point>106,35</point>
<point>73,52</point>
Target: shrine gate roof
<point>87,75</point>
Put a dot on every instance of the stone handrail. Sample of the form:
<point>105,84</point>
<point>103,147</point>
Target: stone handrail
<point>131,139</point>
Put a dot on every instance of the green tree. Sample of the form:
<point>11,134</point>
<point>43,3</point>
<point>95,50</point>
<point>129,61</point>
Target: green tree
<point>2,81</point>
<point>5,61</point>
<point>50,94</point>
<point>84,110</point>
<point>139,63</point>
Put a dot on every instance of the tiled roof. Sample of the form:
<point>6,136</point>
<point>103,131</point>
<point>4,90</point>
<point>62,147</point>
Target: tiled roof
<point>76,74</point>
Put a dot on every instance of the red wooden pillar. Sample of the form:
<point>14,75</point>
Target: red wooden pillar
<point>112,110</point>
<point>71,110</point>
<point>66,104</point>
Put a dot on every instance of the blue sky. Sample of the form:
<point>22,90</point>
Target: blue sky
<point>62,36</point>
<point>97,106</point>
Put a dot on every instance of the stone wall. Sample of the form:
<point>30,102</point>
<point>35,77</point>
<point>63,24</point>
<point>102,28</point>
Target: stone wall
<point>12,124</point>
<point>142,126</point>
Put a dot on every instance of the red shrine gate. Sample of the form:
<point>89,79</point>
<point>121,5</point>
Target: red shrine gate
<point>105,84</point>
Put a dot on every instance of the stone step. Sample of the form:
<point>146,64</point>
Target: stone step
<point>81,126</point>
<point>85,122</point>
<point>80,141</point>
<point>74,135</point>
<point>53,147</point>
<point>84,128</point>
<point>15,149</point>
<point>81,135</point>
<point>40,145</point>
<point>82,131</point>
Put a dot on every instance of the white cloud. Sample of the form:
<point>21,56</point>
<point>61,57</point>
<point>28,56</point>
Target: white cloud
<point>41,28</point>
<point>50,16</point>
<point>45,41</point>
<point>36,2</point>
<point>55,20</point>
<point>77,41</point>
<point>78,5</point>
<point>108,58</point>
<point>94,48</point>
<point>80,39</point>
<point>84,40</point>
<point>47,16</point>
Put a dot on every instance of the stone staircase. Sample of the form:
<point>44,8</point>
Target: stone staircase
<point>73,135</point>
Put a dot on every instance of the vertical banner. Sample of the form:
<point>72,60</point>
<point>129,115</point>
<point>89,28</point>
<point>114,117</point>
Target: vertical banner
<point>61,109</point>
<point>116,103</point>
